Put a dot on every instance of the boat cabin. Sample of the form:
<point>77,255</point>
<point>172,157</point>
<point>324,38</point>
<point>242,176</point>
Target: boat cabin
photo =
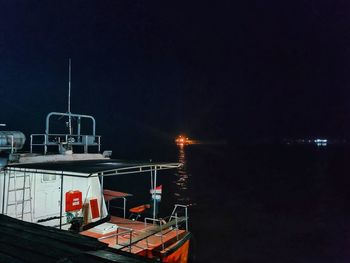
<point>66,190</point>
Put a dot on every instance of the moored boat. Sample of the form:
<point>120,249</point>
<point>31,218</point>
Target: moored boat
<point>63,187</point>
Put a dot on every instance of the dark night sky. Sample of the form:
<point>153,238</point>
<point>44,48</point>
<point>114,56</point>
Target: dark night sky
<point>227,70</point>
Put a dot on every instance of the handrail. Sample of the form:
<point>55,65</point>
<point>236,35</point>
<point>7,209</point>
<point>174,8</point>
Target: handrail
<point>174,213</point>
<point>59,139</point>
<point>151,231</point>
<point>71,139</point>
<point>79,116</point>
<point>161,229</point>
<point>126,231</point>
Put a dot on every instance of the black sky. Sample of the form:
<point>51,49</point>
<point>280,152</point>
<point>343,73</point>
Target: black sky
<point>228,70</point>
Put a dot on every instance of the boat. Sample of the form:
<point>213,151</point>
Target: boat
<point>60,183</point>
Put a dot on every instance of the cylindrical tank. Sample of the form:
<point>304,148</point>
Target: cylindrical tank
<point>3,162</point>
<point>8,139</point>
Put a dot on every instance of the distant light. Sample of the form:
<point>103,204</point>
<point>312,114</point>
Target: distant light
<point>182,140</point>
<point>321,142</point>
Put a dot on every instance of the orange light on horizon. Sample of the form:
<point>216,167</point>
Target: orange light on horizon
<point>183,140</point>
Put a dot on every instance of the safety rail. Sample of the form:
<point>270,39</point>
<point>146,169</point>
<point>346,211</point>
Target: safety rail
<point>175,212</point>
<point>126,231</point>
<point>64,139</point>
<point>161,222</point>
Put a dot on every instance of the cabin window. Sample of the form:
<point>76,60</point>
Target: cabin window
<point>49,178</point>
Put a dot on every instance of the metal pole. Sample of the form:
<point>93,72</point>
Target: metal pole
<point>31,143</point>
<point>46,141</point>
<point>24,192</point>
<point>86,144</point>
<point>101,176</point>
<point>130,237</point>
<point>177,227</point>
<point>99,143</point>
<point>152,178</point>
<point>3,195</point>
<point>61,203</point>
<point>154,193</point>
<point>79,127</point>
<point>8,192</point>
<point>69,87</point>
<point>12,143</point>
<point>124,205</point>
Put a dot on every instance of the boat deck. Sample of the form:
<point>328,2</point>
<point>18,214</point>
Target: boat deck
<point>144,238</point>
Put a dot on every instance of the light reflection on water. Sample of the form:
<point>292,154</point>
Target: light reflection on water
<point>181,193</point>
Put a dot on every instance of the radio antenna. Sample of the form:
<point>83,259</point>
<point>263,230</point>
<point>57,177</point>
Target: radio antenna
<point>69,88</point>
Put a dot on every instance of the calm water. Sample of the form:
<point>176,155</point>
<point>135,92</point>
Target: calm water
<point>257,203</point>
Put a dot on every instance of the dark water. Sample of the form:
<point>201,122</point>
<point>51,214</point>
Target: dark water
<point>258,203</point>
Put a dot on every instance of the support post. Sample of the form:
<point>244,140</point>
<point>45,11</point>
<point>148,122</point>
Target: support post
<point>124,200</point>
<point>101,203</point>
<point>61,203</point>
<point>154,193</point>
<point>24,192</point>
<point>3,195</point>
<point>79,127</point>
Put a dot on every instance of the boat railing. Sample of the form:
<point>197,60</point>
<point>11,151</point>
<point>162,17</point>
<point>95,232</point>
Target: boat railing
<point>163,227</point>
<point>125,231</point>
<point>159,228</point>
<point>179,209</point>
<point>59,140</point>
<point>161,223</point>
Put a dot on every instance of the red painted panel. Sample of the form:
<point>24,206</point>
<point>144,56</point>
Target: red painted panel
<point>95,213</point>
<point>73,201</point>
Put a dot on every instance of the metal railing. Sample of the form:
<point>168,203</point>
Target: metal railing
<point>174,214</point>
<point>160,221</point>
<point>62,139</point>
<point>126,231</point>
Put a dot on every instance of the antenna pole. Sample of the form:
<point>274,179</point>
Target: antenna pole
<point>69,87</point>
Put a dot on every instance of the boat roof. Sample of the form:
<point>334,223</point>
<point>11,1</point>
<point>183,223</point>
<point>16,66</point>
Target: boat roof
<point>28,242</point>
<point>87,168</point>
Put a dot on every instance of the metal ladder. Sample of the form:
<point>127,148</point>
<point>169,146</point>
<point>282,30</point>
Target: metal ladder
<point>21,193</point>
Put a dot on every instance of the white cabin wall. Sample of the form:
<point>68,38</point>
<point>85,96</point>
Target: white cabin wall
<point>46,195</point>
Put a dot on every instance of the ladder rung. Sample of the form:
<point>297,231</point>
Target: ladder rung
<point>19,189</point>
<point>26,213</point>
<point>18,202</point>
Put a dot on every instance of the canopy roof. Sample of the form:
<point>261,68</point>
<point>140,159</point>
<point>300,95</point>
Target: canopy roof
<point>28,242</point>
<point>86,168</point>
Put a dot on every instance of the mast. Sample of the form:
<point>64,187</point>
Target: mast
<point>69,88</point>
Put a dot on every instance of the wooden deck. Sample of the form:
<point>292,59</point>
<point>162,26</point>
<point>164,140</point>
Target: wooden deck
<point>146,238</point>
